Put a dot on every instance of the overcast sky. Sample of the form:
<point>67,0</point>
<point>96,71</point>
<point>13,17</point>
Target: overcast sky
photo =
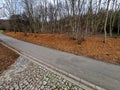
<point>2,11</point>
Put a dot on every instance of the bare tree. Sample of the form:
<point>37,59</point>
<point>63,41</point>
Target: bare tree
<point>112,16</point>
<point>11,9</point>
<point>106,20</point>
<point>76,17</point>
<point>118,31</point>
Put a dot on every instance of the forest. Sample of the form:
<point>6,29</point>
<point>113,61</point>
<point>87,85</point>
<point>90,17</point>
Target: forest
<point>60,44</point>
<point>78,18</point>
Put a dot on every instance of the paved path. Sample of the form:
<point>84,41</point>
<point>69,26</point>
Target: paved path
<point>27,75</point>
<point>99,73</point>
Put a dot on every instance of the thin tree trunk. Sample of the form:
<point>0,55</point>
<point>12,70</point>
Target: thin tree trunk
<point>106,20</point>
<point>112,18</point>
<point>118,30</point>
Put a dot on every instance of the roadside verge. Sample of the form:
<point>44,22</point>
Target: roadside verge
<point>78,81</point>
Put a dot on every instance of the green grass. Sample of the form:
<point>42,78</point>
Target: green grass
<point>1,31</point>
<point>116,36</point>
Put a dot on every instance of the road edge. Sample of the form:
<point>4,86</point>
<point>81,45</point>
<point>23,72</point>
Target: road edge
<point>78,81</point>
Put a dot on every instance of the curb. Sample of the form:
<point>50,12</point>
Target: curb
<point>78,81</point>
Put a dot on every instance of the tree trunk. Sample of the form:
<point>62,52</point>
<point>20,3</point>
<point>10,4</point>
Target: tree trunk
<point>106,20</point>
<point>118,30</point>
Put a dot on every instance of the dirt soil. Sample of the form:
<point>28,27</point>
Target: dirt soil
<point>7,57</point>
<point>92,46</point>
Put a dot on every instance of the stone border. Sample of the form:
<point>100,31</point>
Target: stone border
<point>78,81</point>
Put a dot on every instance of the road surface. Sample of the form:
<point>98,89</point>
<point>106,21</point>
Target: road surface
<point>99,73</point>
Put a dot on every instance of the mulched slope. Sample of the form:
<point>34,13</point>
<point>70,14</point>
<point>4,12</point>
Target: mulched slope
<point>92,46</point>
<point>7,57</point>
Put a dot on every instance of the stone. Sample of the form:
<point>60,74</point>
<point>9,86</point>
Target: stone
<point>27,75</point>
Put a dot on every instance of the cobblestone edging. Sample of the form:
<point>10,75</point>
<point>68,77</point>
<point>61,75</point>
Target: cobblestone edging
<point>26,75</point>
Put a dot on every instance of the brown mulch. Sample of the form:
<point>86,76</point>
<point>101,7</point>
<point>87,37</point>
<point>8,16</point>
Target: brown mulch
<point>92,46</point>
<point>7,58</point>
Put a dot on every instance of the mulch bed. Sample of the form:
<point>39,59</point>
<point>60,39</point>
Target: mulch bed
<point>7,58</point>
<point>92,46</point>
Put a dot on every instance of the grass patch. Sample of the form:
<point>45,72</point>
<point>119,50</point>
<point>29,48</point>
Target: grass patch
<point>1,31</point>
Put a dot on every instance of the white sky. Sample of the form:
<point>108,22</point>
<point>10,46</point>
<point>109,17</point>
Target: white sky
<point>1,9</point>
<point>2,15</point>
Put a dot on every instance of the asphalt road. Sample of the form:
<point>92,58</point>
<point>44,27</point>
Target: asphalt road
<point>99,73</point>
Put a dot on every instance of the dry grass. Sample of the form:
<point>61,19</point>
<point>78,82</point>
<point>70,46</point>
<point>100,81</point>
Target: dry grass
<point>92,46</point>
<point>7,57</point>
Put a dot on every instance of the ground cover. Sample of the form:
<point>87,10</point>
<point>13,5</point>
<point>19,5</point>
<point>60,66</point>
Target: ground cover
<point>7,58</point>
<point>92,46</point>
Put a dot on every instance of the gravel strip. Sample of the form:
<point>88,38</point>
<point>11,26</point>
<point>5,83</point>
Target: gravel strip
<point>26,75</point>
